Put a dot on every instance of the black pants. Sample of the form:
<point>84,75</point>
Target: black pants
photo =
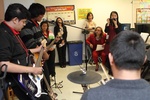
<point>46,73</point>
<point>62,55</point>
<point>51,63</point>
<point>107,64</point>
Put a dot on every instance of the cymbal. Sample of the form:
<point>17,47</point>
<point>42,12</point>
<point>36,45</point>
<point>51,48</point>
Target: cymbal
<point>89,78</point>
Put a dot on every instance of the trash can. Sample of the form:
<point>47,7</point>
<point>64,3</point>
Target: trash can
<point>75,52</point>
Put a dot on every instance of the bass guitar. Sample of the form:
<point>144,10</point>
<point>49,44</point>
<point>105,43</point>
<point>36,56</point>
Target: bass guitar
<point>31,82</point>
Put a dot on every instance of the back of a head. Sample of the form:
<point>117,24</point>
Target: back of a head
<point>128,50</point>
<point>36,9</point>
<point>16,10</point>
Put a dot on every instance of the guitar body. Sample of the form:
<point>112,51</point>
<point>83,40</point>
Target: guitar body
<point>32,83</point>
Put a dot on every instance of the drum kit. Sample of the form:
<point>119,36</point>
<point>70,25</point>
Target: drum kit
<point>88,77</point>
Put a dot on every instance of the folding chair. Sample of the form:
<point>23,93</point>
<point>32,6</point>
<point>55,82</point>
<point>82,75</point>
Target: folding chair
<point>145,37</point>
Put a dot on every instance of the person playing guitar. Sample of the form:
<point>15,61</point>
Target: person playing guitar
<point>14,53</point>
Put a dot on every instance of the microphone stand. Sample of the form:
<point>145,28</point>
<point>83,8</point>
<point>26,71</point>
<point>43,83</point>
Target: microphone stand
<point>84,31</point>
<point>2,82</point>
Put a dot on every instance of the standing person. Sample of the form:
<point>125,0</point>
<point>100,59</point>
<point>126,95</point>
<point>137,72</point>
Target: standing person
<point>127,55</point>
<point>89,24</point>
<point>61,30</point>
<point>98,38</point>
<point>112,28</point>
<point>49,35</point>
<point>32,35</point>
<point>13,52</point>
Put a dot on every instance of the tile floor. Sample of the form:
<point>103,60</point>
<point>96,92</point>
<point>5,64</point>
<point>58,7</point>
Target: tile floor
<point>66,92</point>
<point>68,86</point>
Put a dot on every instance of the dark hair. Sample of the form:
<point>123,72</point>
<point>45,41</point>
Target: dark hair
<point>90,13</point>
<point>16,10</point>
<point>57,21</point>
<point>128,50</point>
<point>45,22</point>
<point>116,14</point>
<point>36,9</point>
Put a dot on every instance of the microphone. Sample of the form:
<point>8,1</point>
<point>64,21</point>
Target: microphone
<point>114,19</point>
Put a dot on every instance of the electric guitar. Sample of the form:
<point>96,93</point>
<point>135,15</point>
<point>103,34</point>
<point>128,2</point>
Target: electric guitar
<point>31,82</point>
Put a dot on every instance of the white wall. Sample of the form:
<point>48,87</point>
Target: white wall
<point>100,8</point>
<point>26,3</point>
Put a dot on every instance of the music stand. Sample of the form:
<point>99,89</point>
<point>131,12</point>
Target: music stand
<point>84,79</point>
<point>57,85</point>
<point>2,82</point>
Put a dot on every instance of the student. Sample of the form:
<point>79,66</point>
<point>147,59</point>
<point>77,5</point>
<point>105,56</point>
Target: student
<point>13,52</point>
<point>61,30</point>
<point>127,55</point>
<point>32,35</point>
<point>51,51</point>
<point>112,28</point>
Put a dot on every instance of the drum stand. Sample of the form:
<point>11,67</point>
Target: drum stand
<point>57,85</point>
<point>85,88</point>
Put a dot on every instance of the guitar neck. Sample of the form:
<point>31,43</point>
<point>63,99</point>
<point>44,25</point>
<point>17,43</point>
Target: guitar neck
<point>50,45</point>
<point>38,62</point>
<point>51,94</point>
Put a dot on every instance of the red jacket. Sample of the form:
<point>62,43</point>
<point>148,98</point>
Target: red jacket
<point>92,40</point>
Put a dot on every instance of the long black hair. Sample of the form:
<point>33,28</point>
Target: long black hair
<point>58,22</point>
<point>117,17</point>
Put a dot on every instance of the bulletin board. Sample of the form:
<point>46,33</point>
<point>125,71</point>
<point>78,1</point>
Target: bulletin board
<point>66,12</point>
<point>143,15</point>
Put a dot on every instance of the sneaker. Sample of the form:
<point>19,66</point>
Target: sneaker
<point>52,78</point>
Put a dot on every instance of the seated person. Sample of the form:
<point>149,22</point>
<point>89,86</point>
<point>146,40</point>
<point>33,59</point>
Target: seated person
<point>97,38</point>
<point>127,55</point>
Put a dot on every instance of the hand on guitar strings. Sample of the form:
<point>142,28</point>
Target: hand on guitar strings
<point>37,70</point>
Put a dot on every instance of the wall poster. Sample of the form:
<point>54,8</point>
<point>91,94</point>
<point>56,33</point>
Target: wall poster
<point>143,15</point>
<point>82,12</point>
<point>66,12</point>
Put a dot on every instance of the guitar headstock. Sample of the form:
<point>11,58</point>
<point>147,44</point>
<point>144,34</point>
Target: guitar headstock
<point>43,42</point>
<point>58,37</point>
